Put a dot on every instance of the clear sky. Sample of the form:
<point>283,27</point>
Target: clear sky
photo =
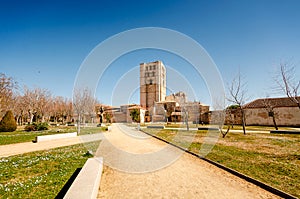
<point>43,43</point>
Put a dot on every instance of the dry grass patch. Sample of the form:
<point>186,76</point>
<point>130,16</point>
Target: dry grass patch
<point>271,158</point>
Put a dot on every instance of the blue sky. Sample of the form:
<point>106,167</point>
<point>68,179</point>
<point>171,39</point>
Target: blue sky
<point>43,43</point>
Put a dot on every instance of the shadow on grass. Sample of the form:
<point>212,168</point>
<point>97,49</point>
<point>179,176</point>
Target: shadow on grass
<point>68,184</point>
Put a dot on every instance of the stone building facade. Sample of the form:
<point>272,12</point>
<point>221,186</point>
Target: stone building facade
<point>155,106</point>
<point>286,112</point>
<point>152,83</point>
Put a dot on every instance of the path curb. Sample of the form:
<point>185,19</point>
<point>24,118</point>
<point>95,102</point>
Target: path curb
<point>86,184</point>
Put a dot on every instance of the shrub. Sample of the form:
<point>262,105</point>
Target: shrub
<point>8,122</point>
<point>30,127</point>
<point>37,127</point>
<point>42,126</point>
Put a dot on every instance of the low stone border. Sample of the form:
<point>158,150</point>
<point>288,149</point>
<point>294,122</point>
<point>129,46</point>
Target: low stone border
<point>207,128</point>
<point>284,132</point>
<point>156,127</point>
<point>86,184</point>
<point>54,136</point>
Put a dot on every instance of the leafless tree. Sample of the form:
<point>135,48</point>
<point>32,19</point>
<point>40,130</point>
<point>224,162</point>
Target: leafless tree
<point>7,86</point>
<point>288,83</point>
<point>270,108</point>
<point>37,102</point>
<point>185,114</point>
<point>218,116</point>
<point>58,109</point>
<point>19,109</point>
<point>237,95</point>
<point>83,104</point>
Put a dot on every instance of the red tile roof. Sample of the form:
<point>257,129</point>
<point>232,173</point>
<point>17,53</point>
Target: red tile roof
<point>274,102</point>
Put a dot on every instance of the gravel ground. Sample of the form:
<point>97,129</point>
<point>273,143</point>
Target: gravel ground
<point>187,177</point>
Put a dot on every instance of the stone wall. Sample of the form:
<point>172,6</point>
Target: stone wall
<point>285,116</point>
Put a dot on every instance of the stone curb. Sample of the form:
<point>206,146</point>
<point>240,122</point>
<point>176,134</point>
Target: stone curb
<point>54,136</point>
<point>86,185</point>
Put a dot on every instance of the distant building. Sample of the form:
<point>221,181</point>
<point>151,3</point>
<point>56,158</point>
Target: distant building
<point>152,83</point>
<point>286,112</point>
<point>155,106</point>
<point>179,97</point>
<point>177,107</point>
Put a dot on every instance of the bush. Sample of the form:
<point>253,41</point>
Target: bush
<point>30,127</point>
<point>37,127</point>
<point>42,126</point>
<point>8,122</point>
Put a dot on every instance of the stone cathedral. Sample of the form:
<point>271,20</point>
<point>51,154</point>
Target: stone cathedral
<point>152,83</point>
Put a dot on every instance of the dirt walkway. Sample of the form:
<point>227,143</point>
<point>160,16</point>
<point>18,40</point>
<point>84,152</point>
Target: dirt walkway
<point>188,177</point>
<point>26,147</point>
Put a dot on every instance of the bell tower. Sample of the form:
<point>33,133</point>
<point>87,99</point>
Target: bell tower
<point>152,83</point>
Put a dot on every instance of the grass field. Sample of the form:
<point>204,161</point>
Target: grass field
<point>22,136</point>
<point>235,127</point>
<point>41,174</point>
<point>271,158</point>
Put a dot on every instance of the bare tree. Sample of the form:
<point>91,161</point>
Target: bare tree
<point>185,114</point>
<point>7,86</point>
<point>237,94</point>
<point>269,107</point>
<point>288,83</point>
<point>83,104</point>
<point>218,116</point>
<point>37,102</point>
<point>19,109</point>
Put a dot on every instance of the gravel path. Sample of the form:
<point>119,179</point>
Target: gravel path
<point>188,177</point>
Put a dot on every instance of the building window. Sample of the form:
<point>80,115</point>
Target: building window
<point>150,81</point>
<point>150,67</point>
<point>146,67</point>
<point>154,67</point>
<point>153,74</point>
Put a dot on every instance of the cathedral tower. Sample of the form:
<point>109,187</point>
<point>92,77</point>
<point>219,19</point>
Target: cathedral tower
<point>152,83</point>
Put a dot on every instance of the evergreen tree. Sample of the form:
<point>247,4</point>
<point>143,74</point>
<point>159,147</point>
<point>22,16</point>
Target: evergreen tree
<point>8,122</point>
<point>135,115</point>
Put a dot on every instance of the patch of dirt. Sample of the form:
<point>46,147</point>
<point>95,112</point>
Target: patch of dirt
<point>188,177</point>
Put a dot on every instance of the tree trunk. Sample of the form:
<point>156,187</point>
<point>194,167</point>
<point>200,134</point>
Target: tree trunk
<point>78,125</point>
<point>224,133</point>
<point>274,122</point>
<point>31,116</point>
<point>243,121</point>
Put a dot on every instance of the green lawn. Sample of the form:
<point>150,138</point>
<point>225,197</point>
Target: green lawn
<point>270,158</point>
<point>41,174</point>
<point>23,136</point>
<point>235,127</point>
